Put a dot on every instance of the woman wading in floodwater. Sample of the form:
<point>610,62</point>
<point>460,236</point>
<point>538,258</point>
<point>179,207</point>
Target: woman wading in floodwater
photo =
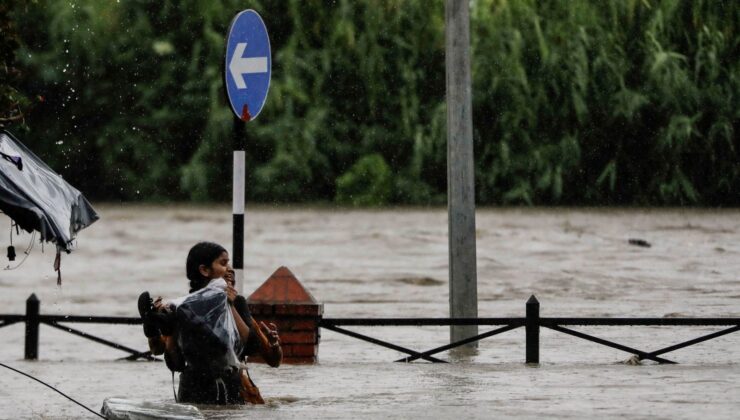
<point>184,332</point>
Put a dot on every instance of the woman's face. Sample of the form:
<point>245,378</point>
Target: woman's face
<point>218,267</point>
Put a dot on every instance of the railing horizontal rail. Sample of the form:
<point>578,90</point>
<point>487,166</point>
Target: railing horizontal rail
<point>12,318</point>
<point>547,322</point>
<point>370,322</point>
<point>400,322</point>
<point>543,321</point>
<point>86,319</point>
<point>91,319</point>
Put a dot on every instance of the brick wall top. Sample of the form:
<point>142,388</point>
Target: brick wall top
<point>282,287</point>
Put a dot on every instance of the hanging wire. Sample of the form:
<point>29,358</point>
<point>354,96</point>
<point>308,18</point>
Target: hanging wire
<point>60,392</point>
<point>27,252</point>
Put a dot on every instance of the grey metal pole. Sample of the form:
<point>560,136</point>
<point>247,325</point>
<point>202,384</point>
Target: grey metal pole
<point>32,327</point>
<point>532,327</point>
<point>460,175</point>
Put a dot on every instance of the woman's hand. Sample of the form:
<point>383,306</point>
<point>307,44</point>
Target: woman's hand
<point>269,343</point>
<point>231,294</point>
<point>229,277</point>
<point>158,303</point>
<point>272,333</point>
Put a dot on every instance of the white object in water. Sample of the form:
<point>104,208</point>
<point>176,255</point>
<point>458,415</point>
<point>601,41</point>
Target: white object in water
<point>122,409</point>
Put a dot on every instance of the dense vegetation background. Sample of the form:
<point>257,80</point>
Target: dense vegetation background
<point>575,102</point>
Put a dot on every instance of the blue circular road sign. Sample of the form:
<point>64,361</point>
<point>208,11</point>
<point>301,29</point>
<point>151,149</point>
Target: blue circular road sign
<point>248,64</point>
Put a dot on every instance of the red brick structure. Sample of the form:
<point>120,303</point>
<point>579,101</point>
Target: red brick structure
<point>282,299</point>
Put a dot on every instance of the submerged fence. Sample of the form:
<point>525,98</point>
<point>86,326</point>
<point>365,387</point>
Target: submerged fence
<point>34,319</point>
<point>532,324</point>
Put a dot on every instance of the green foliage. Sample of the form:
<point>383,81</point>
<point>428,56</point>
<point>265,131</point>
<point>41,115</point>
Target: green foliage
<point>577,102</point>
<point>13,103</point>
<point>367,183</point>
<point>613,102</point>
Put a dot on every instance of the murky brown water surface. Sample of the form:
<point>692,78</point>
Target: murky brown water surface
<point>393,263</point>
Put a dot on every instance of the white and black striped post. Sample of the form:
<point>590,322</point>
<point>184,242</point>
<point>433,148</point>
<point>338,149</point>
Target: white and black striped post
<point>247,71</point>
<point>238,187</point>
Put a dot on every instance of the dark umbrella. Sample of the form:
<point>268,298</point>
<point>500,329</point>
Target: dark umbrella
<point>37,198</point>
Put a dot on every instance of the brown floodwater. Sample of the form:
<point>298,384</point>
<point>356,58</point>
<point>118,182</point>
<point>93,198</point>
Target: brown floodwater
<point>393,263</point>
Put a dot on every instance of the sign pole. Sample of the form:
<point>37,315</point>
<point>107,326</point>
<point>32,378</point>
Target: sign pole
<point>460,175</point>
<point>247,71</point>
<point>238,189</point>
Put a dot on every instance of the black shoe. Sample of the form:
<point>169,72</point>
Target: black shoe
<point>146,311</point>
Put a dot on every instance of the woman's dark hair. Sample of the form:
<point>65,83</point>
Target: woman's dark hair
<point>202,253</point>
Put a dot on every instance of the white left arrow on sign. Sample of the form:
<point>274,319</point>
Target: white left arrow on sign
<point>239,66</point>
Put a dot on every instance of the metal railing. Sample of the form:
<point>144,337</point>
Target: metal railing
<point>532,323</point>
<point>34,319</point>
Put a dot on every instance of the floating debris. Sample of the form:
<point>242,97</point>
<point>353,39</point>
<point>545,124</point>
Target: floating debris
<point>121,409</point>
<point>633,361</point>
<point>639,242</point>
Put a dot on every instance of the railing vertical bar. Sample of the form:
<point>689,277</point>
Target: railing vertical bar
<point>532,327</point>
<point>32,327</point>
